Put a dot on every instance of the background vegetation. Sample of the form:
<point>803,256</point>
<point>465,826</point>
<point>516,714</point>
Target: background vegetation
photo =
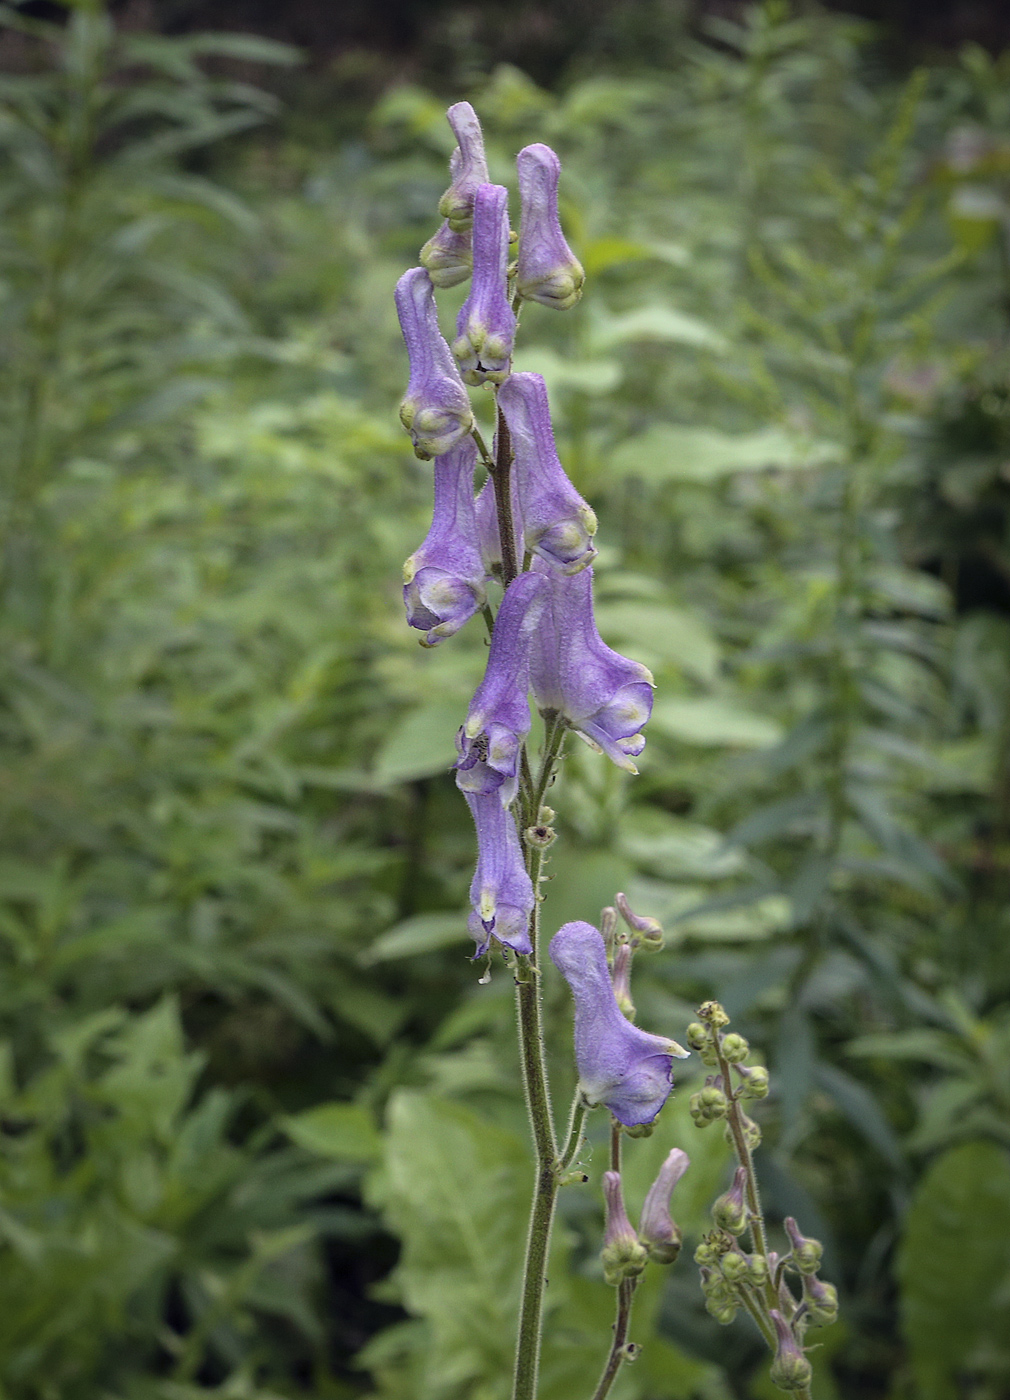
<point>259,1133</point>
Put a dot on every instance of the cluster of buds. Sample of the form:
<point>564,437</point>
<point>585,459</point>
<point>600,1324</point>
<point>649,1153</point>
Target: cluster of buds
<point>526,528</point>
<point>721,1097</point>
<point>658,1238</point>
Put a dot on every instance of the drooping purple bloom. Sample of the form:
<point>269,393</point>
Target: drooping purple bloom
<point>486,325</point>
<point>603,695</point>
<point>499,716</point>
<point>656,1228</point>
<point>622,1255</point>
<point>619,1065</point>
<point>468,168</point>
<point>443,580</point>
<point>436,407</point>
<point>501,891</point>
<point>447,257</point>
<point>557,523</point>
<point>548,270</point>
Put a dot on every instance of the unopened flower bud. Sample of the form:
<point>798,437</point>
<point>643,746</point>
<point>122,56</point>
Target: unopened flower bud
<point>436,407</point>
<point>730,1211</point>
<point>757,1270</point>
<point>640,1130</point>
<point>713,1015</point>
<point>806,1253</point>
<point>754,1081</point>
<point>649,931</point>
<point>608,928</point>
<point>735,1267</point>
<point>790,1370</point>
<point>697,1036</point>
<point>447,256</point>
<point>821,1300</point>
<point>623,1256</point>
<point>707,1105</point>
<point>735,1048</point>
<point>485,327</point>
<point>751,1133</point>
<point>621,978</point>
<point>656,1229</point>
<point>468,168</point>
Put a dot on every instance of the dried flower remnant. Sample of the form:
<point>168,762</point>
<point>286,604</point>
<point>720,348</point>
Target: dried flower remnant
<point>499,716</point>
<point>604,696</point>
<point>485,327</point>
<point>443,580</point>
<point>547,269</point>
<point>558,524</point>
<point>436,407</point>
<point>501,891</point>
<point>619,1065</point>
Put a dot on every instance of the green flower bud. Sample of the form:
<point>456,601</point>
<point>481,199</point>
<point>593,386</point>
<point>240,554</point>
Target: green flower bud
<point>735,1048</point>
<point>806,1253</point>
<point>698,1037</point>
<point>821,1300</point>
<point>757,1270</point>
<point>641,1130</point>
<point>751,1133</point>
<point>730,1211</point>
<point>790,1370</point>
<point>713,1015</point>
<point>735,1267</point>
<point>754,1081</point>
<point>623,1255</point>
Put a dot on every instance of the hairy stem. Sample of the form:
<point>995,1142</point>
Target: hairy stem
<point>501,476</point>
<point>618,1352</point>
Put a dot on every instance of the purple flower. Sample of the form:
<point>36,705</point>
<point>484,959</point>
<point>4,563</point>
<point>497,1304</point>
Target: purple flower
<point>501,891</point>
<point>557,523</point>
<point>623,1256</point>
<point>436,407</point>
<point>444,578</point>
<point>487,524</point>
<point>602,694</point>
<point>548,270</point>
<point>468,168</point>
<point>485,327</point>
<point>447,257</point>
<point>656,1228</point>
<point>499,716</point>
<point>619,1065</point>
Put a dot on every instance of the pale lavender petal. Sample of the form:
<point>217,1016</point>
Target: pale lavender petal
<point>490,739</point>
<point>656,1227</point>
<point>603,695</point>
<point>468,168</point>
<point>436,407</point>
<point>444,578</point>
<point>501,891</point>
<point>485,328</point>
<point>557,523</point>
<point>548,270</point>
<point>619,1065</point>
<point>447,256</point>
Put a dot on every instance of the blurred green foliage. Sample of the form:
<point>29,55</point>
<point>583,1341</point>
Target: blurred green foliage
<point>245,1059</point>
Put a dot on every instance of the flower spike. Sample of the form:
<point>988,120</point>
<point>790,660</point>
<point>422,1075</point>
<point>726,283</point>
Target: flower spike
<point>501,891</point>
<point>557,523</point>
<point>486,324</point>
<point>604,696</point>
<point>619,1065</point>
<point>548,270</point>
<point>499,716</point>
<point>444,578</point>
<point>436,408</point>
<point>468,168</point>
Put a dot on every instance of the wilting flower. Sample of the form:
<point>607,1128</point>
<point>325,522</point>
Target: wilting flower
<point>486,324</point>
<point>436,407</point>
<point>444,578</point>
<point>501,891</point>
<point>602,694</point>
<point>623,1256</point>
<point>619,1065</point>
<point>557,523</point>
<point>656,1229</point>
<point>548,270</point>
<point>468,168</point>
<point>499,716</point>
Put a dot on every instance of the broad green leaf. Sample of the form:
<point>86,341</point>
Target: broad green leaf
<point>954,1270</point>
<point>657,323</point>
<point>589,376</point>
<point>712,723</point>
<point>421,744</point>
<point>672,452</point>
<point>345,1131</point>
<point>673,848</point>
<point>421,934</point>
<point>661,634</point>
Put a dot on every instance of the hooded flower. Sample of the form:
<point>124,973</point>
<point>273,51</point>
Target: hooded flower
<point>436,407</point>
<point>501,891</point>
<point>548,270</point>
<point>485,327</point>
<point>619,1065</point>
<point>444,579</point>
<point>447,257</point>
<point>499,716</point>
<point>602,694</point>
<point>623,1256</point>
<point>557,523</point>
<point>656,1229</point>
<point>468,168</point>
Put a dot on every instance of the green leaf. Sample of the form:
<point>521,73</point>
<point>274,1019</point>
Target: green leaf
<point>590,376</point>
<point>672,452</point>
<point>421,744</point>
<point>421,934</point>
<point>954,1269</point>
<point>345,1131</point>
<point>655,322</point>
<point>711,723</point>
<point>661,634</point>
